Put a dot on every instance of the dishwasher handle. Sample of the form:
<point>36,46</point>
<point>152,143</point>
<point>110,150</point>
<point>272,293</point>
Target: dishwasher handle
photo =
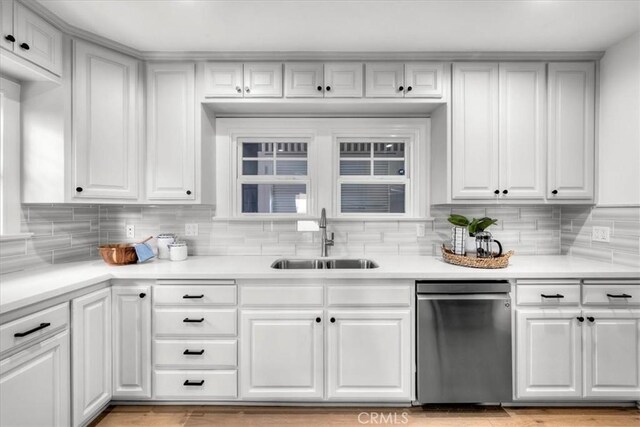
<point>494,296</point>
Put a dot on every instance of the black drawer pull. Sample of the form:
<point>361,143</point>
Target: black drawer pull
<point>187,296</point>
<point>580,319</point>
<point>196,353</point>
<point>194,383</point>
<point>25,46</point>
<point>30,331</point>
<point>552,296</point>
<point>591,319</point>
<point>619,296</point>
<point>187,320</point>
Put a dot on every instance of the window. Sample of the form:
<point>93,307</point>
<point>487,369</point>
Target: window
<point>273,176</point>
<point>373,176</point>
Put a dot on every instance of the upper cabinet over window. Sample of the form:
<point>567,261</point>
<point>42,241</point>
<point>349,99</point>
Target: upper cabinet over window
<point>323,80</point>
<point>248,80</point>
<point>30,37</point>
<point>410,80</point>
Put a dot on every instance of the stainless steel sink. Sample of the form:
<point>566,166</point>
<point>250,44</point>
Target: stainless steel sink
<point>318,264</point>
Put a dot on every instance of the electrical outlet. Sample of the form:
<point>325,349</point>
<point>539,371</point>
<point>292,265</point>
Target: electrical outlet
<point>131,231</point>
<point>600,234</point>
<point>191,229</point>
<point>421,230</point>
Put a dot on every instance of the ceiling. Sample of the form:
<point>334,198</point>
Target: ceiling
<point>354,26</point>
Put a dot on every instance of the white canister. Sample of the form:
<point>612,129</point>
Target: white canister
<point>164,240</point>
<point>178,251</point>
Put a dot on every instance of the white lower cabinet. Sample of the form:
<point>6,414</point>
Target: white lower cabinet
<point>131,341</point>
<point>282,355</point>
<point>548,354</point>
<point>34,385</point>
<point>369,355</point>
<point>91,354</point>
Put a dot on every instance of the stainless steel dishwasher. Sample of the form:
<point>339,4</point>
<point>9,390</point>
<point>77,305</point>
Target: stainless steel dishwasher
<point>464,342</point>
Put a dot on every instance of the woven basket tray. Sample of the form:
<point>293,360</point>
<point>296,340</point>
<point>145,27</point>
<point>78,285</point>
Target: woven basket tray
<point>498,262</point>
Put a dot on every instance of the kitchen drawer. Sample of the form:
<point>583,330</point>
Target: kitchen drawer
<point>204,322</point>
<point>344,295</point>
<point>294,296</point>
<point>612,292</point>
<point>214,354</point>
<point>215,385</point>
<point>41,323</point>
<point>533,293</point>
<point>194,295</point>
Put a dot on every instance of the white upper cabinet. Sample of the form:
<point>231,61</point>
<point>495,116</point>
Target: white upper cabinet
<point>571,116</point>
<point>304,80</point>
<point>410,80</point>
<point>237,80</point>
<point>171,145</point>
<point>31,37</point>
<point>522,130</point>
<point>343,80</point>
<point>105,142</point>
<point>475,144</point>
<point>384,80</point>
<point>263,80</point>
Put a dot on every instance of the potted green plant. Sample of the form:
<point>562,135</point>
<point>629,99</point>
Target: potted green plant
<point>463,227</point>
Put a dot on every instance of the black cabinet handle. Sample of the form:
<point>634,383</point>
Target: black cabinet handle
<point>401,88</point>
<point>318,320</point>
<point>194,383</point>
<point>591,319</point>
<point>580,319</point>
<point>552,296</point>
<point>619,296</point>
<point>554,192</point>
<point>142,295</point>
<point>328,88</point>
<point>79,189</point>
<point>319,88</point>
<point>25,46</point>
<point>505,191</point>
<point>30,331</point>
<point>10,38</point>
<point>409,88</point>
<point>197,353</point>
<point>188,192</point>
<point>496,192</point>
<point>187,296</point>
<point>332,320</point>
<point>187,320</point>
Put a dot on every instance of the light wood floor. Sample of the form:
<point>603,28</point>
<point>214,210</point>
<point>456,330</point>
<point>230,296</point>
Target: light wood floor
<point>192,416</point>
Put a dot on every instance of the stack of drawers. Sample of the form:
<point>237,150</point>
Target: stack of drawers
<point>195,340</point>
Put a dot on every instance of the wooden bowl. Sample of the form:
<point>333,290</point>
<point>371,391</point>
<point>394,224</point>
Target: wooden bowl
<point>118,254</point>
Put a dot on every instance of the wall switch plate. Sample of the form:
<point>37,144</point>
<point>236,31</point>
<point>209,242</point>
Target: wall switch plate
<point>600,234</point>
<point>421,230</point>
<point>191,229</point>
<point>130,230</point>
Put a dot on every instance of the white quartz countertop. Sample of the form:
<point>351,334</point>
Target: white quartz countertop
<point>21,289</point>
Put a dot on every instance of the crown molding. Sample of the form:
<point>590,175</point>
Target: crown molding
<point>311,56</point>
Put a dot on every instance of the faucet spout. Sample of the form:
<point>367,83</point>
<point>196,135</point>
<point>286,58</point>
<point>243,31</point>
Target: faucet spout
<point>326,242</point>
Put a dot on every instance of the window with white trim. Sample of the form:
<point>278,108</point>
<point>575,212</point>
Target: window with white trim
<point>373,176</point>
<point>273,176</point>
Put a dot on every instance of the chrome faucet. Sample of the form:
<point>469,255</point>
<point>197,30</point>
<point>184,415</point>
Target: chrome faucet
<point>323,227</point>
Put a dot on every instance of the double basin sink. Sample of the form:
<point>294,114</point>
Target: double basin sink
<point>323,264</point>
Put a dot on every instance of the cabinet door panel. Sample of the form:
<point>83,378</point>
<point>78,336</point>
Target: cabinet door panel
<point>548,355</point>
<point>263,80</point>
<point>223,80</point>
<point>105,140</point>
<point>522,135</point>
<point>475,131</point>
<point>612,354</point>
<point>6,24</point>
<point>131,341</point>
<point>384,80</point>
<point>302,80</point>
<point>424,78</point>
<point>44,40</point>
<point>281,355</point>
<point>571,130</point>
<point>344,80</point>
<point>91,346</point>
<point>171,154</point>
<point>369,355</point>
<point>34,385</point>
